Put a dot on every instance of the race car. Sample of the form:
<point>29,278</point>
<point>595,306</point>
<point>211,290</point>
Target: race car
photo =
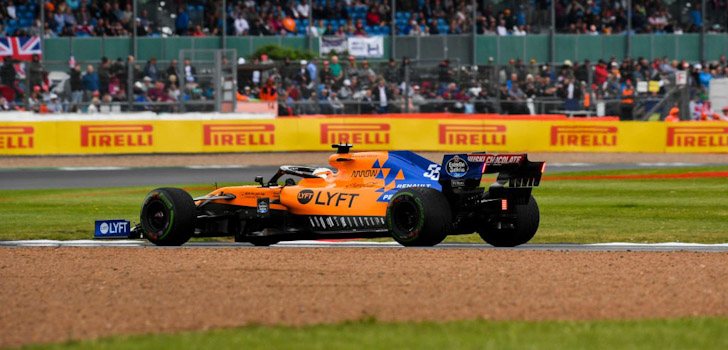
<point>369,194</point>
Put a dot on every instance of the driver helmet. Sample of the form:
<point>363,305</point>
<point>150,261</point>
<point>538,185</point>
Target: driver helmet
<point>323,172</point>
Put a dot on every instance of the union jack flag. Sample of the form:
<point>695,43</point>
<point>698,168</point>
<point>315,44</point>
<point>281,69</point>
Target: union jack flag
<point>21,49</point>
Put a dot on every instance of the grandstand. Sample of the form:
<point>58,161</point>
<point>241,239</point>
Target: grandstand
<point>586,57</point>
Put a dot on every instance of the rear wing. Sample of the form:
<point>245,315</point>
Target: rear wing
<point>514,170</point>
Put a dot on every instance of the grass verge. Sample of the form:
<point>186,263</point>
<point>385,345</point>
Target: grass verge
<point>692,333</point>
<point>579,211</point>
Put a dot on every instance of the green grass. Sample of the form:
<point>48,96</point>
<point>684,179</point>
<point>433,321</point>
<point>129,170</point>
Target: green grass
<point>693,333</point>
<point>69,213</point>
<point>671,210</point>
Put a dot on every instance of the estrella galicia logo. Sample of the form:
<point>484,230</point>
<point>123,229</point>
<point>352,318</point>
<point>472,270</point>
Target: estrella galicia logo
<point>456,167</point>
<point>305,196</point>
<point>263,205</point>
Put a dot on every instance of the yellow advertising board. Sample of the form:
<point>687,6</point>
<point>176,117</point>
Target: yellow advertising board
<point>314,134</point>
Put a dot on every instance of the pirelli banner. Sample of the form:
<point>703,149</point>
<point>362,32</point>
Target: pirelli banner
<point>314,134</point>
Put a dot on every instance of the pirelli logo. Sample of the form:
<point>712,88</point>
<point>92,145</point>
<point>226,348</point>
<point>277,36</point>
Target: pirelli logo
<point>238,134</point>
<point>109,135</point>
<point>17,137</point>
<point>359,134</point>
<point>469,134</point>
<point>584,135</point>
<point>697,136</point>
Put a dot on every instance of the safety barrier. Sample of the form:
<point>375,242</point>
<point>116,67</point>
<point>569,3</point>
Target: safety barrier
<point>41,135</point>
<point>501,48</point>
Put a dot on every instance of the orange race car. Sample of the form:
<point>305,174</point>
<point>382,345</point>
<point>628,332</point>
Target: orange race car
<point>371,194</point>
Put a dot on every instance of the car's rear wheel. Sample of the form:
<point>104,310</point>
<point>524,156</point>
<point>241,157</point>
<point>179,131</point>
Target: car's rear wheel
<point>168,217</point>
<point>517,232</point>
<point>419,217</point>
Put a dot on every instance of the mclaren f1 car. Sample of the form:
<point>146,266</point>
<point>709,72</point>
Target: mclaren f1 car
<point>369,194</point>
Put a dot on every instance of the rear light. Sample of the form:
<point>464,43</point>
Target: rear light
<point>543,167</point>
<point>504,204</point>
<point>484,166</point>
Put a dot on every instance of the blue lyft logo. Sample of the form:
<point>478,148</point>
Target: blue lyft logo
<point>112,229</point>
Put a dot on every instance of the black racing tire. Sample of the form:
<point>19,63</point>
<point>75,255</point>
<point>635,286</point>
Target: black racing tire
<point>168,217</point>
<point>419,217</point>
<point>524,228</point>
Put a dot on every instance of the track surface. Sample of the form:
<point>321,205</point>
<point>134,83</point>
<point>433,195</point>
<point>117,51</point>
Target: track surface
<point>598,247</point>
<point>95,177</point>
<point>55,294</point>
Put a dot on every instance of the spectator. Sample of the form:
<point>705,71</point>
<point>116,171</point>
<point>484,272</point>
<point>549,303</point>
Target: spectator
<point>381,96</point>
<point>391,73</point>
<point>91,81</point>
<point>54,106</point>
<point>76,85</point>
<point>627,106</point>
<point>35,72</point>
<point>600,73</point>
<point>151,70</point>
<point>7,73</point>
<point>104,75</point>
<point>182,23</point>
<point>197,31</point>
<point>337,107</point>
<point>95,105</point>
<point>172,70</point>
<point>367,103</point>
<point>570,92</point>
<point>269,92</point>
<point>303,9</point>
<point>4,104</point>
<point>365,71</point>
<point>190,73</point>
<point>242,27</point>
<point>35,100</point>
<point>336,70</point>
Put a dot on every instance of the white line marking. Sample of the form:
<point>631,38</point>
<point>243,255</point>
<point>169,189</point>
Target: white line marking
<point>323,243</point>
<point>662,244</point>
<point>92,168</point>
<point>216,166</point>
<point>569,164</point>
<point>663,164</point>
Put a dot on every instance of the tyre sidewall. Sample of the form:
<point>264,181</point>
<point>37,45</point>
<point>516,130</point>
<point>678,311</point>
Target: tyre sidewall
<point>154,197</point>
<point>398,234</point>
<point>179,210</point>
<point>525,229</point>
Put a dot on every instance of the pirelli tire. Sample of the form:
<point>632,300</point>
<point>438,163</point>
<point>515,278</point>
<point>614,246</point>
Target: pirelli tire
<point>419,217</point>
<point>523,229</point>
<point>168,217</point>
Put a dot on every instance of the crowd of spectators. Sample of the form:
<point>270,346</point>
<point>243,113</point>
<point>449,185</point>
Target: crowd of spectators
<point>353,17</point>
<point>102,87</point>
<point>331,86</point>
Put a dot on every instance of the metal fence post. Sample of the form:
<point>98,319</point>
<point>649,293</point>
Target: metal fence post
<point>134,30</point>
<point>406,67</point>
<point>217,78</point>
<point>393,34</point>
<point>475,33</point>
<point>552,33</point>
<point>223,15</point>
<point>42,27</point>
<point>310,26</point>
<point>702,31</point>
<point>628,40</point>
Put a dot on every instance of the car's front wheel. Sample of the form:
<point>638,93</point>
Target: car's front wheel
<point>168,216</point>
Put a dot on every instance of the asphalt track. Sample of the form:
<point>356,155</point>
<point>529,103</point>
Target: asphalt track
<point>95,177</point>
<point>598,247</point>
